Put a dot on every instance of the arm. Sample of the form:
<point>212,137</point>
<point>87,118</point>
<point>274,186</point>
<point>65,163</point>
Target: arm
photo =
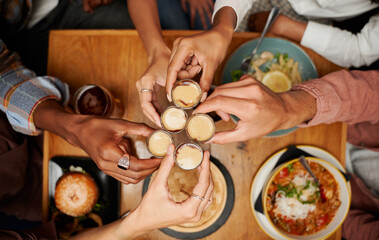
<point>34,103</point>
<point>146,20</point>
<point>341,47</point>
<point>240,7</point>
<point>158,202</point>
<point>342,96</point>
<point>204,51</point>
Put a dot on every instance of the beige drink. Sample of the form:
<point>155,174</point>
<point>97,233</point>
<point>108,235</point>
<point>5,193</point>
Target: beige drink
<point>188,155</point>
<point>158,143</point>
<point>174,119</point>
<point>200,127</point>
<point>186,93</point>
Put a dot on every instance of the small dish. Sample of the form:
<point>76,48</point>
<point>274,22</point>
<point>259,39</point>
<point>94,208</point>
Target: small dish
<point>266,169</point>
<point>332,182</point>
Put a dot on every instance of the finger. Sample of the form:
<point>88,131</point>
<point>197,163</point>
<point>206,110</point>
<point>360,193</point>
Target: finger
<point>207,76</point>
<point>241,83</point>
<point>190,72</point>
<point>207,197</point>
<point>175,67</point>
<point>192,17</point>
<point>126,145</point>
<point>230,105</point>
<point>86,6</point>
<point>223,115</point>
<point>235,92</point>
<point>235,135</point>
<point>121,178</point>
<point>150,112</point>
<point>202,17</point>
<point>184,5</point>
<point>135,128</point>
<point>165,168</point>
<point>136,171</point>
<point>209,10</point>
<point>203,182</point>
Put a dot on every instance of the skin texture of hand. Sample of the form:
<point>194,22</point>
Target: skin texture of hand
<point>201,52</point>
<point>90,5</point>
<point>203,7</point>
<point>153,78</point>
<point>103,139</point>
<point>260,110</point>
<point>157,208</point>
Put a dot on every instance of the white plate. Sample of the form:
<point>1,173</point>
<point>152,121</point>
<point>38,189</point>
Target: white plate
<point>265,170</point>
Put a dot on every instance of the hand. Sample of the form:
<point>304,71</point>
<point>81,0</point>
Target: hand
<point>153,78</point>
<point>260,110</point>
<point>157,208</point>
<point>104,140</point>
<point>203,7</point>
<point>204,51</point>
<point>90,5</point>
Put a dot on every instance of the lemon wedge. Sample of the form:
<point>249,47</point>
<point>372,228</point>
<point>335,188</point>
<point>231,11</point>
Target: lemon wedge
<point>277,81</point>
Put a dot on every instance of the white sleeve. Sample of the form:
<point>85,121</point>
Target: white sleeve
<point>342,47</point>
<point>240,7</point>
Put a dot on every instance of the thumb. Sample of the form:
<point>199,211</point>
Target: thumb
<point>166,166</point>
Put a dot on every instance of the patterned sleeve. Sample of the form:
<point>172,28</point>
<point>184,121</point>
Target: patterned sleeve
<point>21,91</point>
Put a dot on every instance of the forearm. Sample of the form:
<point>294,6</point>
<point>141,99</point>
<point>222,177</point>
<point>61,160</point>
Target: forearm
<point>344,96</point>
<point>239,8</point>
<point>146,20</point>
<point>51,116</point>
<point>300,107</point>
<point>225,21</point>
<point>288,28</point>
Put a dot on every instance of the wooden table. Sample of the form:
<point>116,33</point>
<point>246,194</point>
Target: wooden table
<point>116,59</point>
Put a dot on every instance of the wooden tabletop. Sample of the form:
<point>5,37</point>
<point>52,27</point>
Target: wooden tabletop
<point>115,60</point>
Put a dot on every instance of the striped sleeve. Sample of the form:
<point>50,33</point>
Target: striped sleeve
<point>21,91</point>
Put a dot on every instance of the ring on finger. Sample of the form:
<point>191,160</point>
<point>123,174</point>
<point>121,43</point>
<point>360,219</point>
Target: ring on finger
<point>197,197</point>
<point>146,90</point>
<point>123,162</point>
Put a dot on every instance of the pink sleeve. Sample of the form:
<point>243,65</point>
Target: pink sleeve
<point>343,96</point>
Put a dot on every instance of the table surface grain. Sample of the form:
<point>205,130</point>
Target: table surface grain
<point>115,59</point>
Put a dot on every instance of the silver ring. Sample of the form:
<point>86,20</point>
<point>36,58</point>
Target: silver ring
<point>123,162</point>
<point>146,90</point>
<point>197,197</point>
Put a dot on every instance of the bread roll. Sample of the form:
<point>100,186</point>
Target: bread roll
<point>76,194</point>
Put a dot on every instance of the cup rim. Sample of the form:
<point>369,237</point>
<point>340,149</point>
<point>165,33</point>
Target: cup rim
<point>151,134</point>
<point>191,81</point>
<point>173,131</point>
<point>108,95</point>
<point>189,143</point>
<point>207,116</point>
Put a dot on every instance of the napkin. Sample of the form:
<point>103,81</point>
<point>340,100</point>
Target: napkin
<point>292,153</point>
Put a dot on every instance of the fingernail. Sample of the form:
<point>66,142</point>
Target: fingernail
<point>198,70</point>
<point>204,96</point>
<point>169,98</point>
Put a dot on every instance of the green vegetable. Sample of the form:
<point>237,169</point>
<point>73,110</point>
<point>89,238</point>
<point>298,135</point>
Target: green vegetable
<point>290,167</point>
<point>236,75</point>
